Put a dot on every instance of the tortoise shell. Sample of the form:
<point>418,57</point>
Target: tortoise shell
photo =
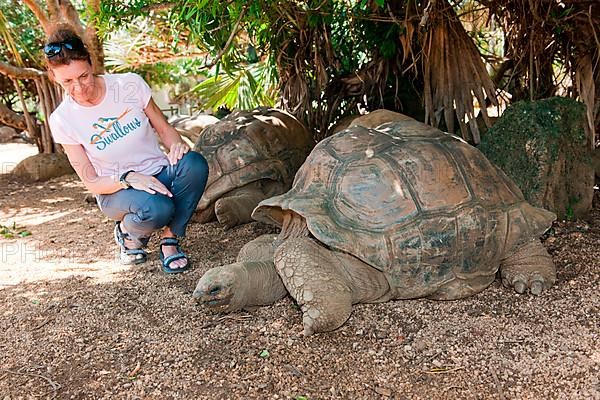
<point>416,203</point>
<point>247,146</point>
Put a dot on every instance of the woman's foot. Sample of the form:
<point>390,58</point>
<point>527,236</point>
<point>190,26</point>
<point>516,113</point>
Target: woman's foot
<point>169,250</point>
<point>130,252</point>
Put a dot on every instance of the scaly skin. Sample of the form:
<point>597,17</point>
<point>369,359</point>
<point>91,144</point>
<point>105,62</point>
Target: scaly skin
<point>325,283</point>
<point>530,267</point>
<point>323,296</point>
<point>260,249</point>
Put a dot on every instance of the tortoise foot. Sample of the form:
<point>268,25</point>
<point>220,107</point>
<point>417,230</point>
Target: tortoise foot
<point>534,282</point>
<point>236,207</point>
<point>530,268</point>
<point>227,212</point>
<point>204,216</point>
<point>312,276</point>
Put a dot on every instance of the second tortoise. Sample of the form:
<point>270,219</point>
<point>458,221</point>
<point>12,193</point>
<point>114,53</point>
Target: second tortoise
<point>252,155</point>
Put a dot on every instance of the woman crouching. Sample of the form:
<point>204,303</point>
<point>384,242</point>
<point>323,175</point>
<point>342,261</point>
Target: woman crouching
<point>109,127</point>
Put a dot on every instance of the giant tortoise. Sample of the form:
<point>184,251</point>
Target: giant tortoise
<point>252,155</point>
<point>191,126</point>
<point>398,212</point>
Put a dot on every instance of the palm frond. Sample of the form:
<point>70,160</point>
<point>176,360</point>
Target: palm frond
<point>454,74</point>
<point>141,43</point>
<point>243,87</point>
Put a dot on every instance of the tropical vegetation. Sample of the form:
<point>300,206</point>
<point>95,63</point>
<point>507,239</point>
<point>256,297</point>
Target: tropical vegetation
<point>446,63</point>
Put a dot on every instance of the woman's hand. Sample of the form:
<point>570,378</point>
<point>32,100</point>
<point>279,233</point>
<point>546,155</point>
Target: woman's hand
<point>168,135</point>
<point>177,150</point>
<point>147,183</point>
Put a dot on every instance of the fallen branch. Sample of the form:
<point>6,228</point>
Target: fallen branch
<point>55,385</point>
<point>135,371</point>
<point>443,370</point>
<point>43,323</point>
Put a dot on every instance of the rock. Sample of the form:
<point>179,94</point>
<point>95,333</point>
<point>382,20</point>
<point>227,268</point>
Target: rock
<point>43,166</point>
<point>542,145</point>
<point>191,126</point>
<point>8,134</point>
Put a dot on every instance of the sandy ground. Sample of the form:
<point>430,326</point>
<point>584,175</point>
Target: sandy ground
<point>76,325</point>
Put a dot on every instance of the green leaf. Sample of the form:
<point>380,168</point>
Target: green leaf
<point>24,233</point>
<point>264,353</point>
<point>388,48</point>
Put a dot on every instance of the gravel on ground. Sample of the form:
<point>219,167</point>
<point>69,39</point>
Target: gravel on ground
<point>76,325</point>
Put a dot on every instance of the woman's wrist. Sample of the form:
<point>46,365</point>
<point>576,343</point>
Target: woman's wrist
<point>125,179</point>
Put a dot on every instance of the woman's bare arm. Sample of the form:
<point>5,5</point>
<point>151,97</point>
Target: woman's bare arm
<point>168,135</point>
<point>86,172</point>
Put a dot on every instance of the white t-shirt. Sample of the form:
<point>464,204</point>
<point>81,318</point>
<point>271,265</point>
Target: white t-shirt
<point>116,133</point>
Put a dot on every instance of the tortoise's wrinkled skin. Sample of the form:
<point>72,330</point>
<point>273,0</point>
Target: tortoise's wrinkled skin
<point>251,281</point>
<point>252,155</point>
<point>398,212</point>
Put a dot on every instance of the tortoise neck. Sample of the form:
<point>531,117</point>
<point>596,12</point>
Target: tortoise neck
<point>293,225</point>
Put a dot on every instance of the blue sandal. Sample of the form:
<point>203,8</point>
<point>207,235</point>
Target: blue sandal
<point>166,261</point>
<point>128,256</point>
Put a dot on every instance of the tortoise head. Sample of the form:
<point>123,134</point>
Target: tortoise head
<point>222,288</point>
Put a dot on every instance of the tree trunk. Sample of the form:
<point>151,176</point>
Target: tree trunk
<point>11,118</point>
<point>31,122</point>
<point>49,95</point>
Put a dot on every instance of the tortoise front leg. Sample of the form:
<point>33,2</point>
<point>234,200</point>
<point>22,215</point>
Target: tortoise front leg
<point>528,267</point>
<point>205,216</point>
<point>325,283</point>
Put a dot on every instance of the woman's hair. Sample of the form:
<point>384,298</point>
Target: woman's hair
<point>63,45</point>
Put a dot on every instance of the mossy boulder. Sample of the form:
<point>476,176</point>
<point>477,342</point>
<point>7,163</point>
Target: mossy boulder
<point>542,146</point>
<point>43,166</point>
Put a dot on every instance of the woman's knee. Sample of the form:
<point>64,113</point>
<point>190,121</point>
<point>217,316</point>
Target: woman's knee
<point>194,164</point>
<point>157,212</point>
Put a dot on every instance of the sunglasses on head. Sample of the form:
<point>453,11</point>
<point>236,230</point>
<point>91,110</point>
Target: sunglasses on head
<point>53,49</point>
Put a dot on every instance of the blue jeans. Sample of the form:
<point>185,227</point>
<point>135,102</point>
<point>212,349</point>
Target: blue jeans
<point>142,213</point>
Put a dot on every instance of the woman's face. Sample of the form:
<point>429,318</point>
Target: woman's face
<point>78,80</point>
